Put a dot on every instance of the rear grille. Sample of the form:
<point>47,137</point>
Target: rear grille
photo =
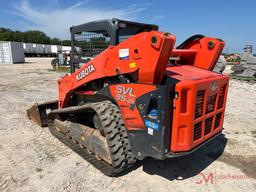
<point>197,130</point>
<point>211,100</point>
<point>217,120</point>
<point>208,125</point>
<point>221,96</point>
<point>208,111</point>
<point>199,103</point>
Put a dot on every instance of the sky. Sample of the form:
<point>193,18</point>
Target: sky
<point>234,21</point>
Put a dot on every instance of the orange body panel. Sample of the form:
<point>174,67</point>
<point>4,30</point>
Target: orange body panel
<point>125,96</point>
<point>196,117</point>
<point>148,56</point>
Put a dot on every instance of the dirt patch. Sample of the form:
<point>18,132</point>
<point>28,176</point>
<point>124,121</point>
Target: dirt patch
<point>246,164</point>
<point>39,73</point>
<point>253,134</point>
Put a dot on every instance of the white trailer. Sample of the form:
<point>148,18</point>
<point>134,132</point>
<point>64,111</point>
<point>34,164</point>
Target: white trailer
<point>56,48</point>
<point>11,52</point>
<point>66,49</point>
<point>47,50</point>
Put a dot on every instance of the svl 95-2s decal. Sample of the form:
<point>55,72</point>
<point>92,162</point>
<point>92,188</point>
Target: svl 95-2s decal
<point>124,94</point>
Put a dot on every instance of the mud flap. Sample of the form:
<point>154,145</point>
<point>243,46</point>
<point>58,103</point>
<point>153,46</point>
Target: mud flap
<point>38,112</point>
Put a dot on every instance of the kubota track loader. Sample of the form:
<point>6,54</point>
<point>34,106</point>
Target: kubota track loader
<point>132,94</point>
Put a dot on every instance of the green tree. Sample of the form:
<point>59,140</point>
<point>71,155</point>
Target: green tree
<point>55,41</point>
<point>32,36</point>
<point>66,42</point>
<point>36,37</point>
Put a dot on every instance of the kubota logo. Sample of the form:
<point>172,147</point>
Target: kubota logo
<point>85,72</point>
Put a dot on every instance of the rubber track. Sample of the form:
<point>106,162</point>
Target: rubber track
<point>115,133</point>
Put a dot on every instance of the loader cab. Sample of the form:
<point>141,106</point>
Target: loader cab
<point>90,39</point>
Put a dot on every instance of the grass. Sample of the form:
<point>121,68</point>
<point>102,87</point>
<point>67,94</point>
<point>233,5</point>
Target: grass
<point>61,69</point>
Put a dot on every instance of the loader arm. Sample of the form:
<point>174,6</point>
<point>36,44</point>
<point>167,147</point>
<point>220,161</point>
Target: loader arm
<point>199,51</point>
<point>147,56</point>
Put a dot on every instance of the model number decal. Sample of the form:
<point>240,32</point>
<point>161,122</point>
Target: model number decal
<point>124,93</point>
<point>85,72</point>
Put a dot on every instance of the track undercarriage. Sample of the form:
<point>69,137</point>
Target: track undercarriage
<point>96,132</point>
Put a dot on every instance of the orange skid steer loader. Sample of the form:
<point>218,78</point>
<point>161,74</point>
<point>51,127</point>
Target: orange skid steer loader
<point>132,94</point>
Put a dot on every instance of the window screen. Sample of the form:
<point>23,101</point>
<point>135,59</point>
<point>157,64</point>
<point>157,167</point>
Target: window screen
<point>89,44</point>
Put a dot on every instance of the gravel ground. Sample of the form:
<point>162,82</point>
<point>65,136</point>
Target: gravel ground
<point>31,159</point>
